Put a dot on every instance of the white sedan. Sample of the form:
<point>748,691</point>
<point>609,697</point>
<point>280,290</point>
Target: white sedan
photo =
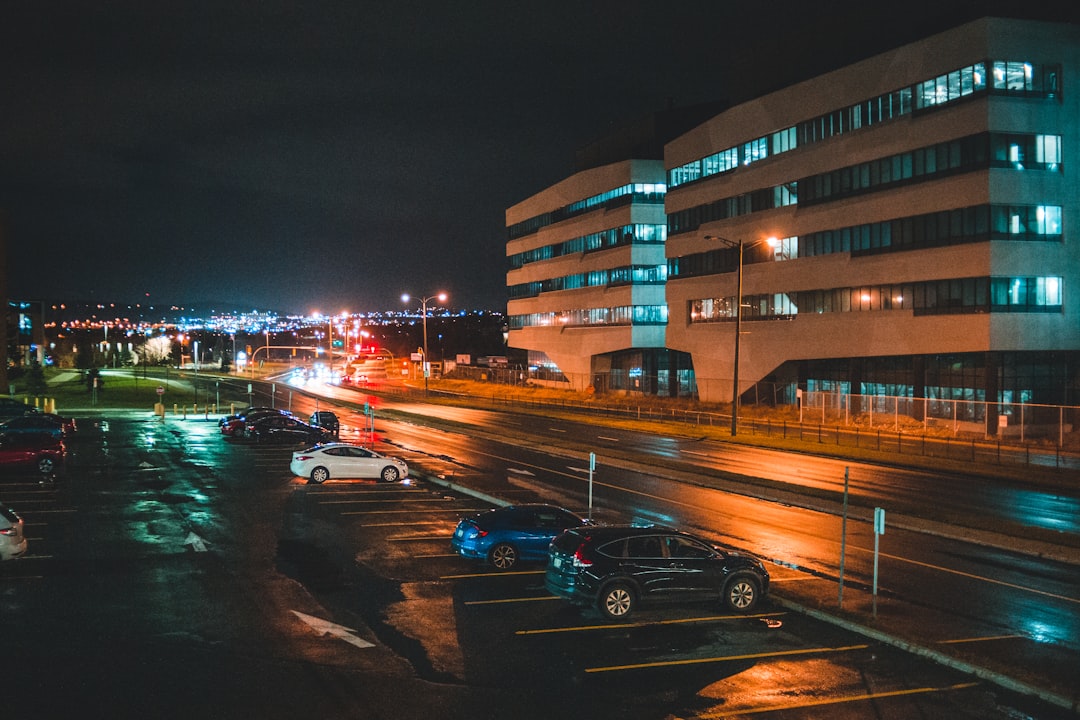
<point>12,540</point>
<point>342,460</point>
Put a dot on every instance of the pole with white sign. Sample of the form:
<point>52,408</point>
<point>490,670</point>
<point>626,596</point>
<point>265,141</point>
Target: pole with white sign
<point>879,530</point>
<point>843,540</point>
<point>592,467</point>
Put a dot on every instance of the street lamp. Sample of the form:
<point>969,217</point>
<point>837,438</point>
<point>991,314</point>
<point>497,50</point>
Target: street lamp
<point>772,242</point>
<point>441,297</point>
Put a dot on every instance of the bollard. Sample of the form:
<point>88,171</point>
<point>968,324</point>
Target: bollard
<point>175,410</point>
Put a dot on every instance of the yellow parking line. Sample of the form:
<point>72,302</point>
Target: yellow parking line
<point>727,658</point>
<point>392,512</point>
<point>385,500</point>
<point>978,639</point>
<point>649,623</point>
<point>833,701</point>
<point>493,574</point>
<point>411,523</point>
<point>511,600</point>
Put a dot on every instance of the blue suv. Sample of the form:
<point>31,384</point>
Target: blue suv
<point>510,534</point>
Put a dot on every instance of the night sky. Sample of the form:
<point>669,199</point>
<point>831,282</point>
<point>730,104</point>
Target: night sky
<point>332,155</point>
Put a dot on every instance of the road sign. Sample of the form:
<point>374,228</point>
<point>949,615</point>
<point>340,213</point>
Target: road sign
<point>160,390</point>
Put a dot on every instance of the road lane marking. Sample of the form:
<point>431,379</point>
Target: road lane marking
<point>645,623</point>
<point>973,576</point>
<point>605,437</point>
<point>732,712</point>
<point>726,658</point>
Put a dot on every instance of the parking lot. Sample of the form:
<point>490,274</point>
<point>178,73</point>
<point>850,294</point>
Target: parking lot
<point>375,558</point>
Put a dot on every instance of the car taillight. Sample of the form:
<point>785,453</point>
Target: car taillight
<point>579,558</point>
<point>303,457</point>
<point>11,531</point>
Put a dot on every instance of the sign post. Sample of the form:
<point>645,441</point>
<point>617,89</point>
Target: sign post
<point>592,468</point>
<point>843,540</point>
<point>879,530</point>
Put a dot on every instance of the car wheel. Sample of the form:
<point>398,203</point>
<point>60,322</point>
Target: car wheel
<point>238,432</point>
<point>320,475</point>
<point>617,601</point>
<point>503,556</point>
<point>741,594</point>
<point>46,465</point>
<point>389,474</point>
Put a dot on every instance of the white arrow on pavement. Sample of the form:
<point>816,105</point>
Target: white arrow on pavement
<point>197,543</point>
<point>325,627</point>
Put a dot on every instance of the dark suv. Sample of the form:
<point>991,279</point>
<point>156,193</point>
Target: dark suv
<point>326,419</point>
<point>614,567</point>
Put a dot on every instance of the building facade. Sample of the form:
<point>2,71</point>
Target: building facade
<point>922,207</point>
<point>587,266</point>
<point>586,278</point>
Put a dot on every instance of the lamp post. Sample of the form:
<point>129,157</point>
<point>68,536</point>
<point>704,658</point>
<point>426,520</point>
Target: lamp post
<point>740,245</point>
<point>441,297</point>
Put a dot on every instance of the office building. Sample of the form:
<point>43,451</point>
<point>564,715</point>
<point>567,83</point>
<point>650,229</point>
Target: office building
<point>907,228</point>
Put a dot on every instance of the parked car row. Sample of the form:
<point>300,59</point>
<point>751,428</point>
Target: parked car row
<point>323,457</point>
<point>613,568</point>
<point>273,425</point>
<point>32,441</point>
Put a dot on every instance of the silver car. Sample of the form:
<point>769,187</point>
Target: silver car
<point>342,460</point>
<point>12,541</point>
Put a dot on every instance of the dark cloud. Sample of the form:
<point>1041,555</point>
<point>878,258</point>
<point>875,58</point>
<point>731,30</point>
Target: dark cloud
<point>336,154</point>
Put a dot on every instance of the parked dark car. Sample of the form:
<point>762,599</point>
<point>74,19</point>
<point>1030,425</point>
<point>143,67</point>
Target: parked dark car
<point>39,453</point>
<point>616,567</point>
<point>283,429</point>
<point>507,535</point>
<point>236,425</point>
<point>39,423</point>
<point>12,408</point>
<point>326,419</point>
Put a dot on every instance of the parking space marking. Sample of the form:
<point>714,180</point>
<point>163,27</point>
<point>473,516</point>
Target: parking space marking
<point>418,538</point>
<point>395,493</point>
<point>978,639</point>
<point>726,658</point>
<point>385,500</point>
<point>399,524</point>
<point>511,600</point>
<point>646,623</point>
<point>393,512</point>
<point>732,712</point>
<point>492,574</point>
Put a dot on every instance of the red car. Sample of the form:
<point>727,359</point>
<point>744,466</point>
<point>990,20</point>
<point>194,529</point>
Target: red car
<point>46,423</point>
<point>35,452</point>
